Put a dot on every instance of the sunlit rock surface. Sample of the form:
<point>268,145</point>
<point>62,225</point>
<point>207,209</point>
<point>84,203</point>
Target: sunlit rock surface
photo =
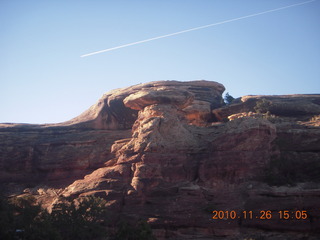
<point>161,152</point>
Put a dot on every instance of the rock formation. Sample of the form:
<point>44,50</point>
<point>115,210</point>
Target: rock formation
<point>161,152</point>
<point>297,106</point>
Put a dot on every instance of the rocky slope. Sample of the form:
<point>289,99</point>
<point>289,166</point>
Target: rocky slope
<point>165,152</point>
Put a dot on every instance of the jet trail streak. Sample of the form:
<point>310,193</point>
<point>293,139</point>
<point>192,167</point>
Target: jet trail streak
<point>196,28</point>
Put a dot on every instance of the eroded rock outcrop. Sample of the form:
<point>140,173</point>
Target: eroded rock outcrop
<point>177,164</point>
<point>296,106</point>
<point>110,111</point>
<point>71,149</point>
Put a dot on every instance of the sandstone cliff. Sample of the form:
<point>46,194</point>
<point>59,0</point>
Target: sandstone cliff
<point>161,152</point>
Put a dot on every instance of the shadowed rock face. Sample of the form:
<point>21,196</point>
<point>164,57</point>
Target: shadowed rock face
<point>174,166</point>
<point>297,106</point>
<point>52,154</point>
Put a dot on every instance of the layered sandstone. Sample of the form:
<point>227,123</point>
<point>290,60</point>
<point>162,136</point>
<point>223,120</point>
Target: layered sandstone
<point>56,155</point>
<point>176,163</point>
<point>110,111</point>
<point>296,106</point>
<point>69,150</point>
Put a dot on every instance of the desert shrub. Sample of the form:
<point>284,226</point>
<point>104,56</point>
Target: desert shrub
<point>263,106</point>
<point>272,118</point>
<point>7,227</point>
<point>26,210</point>
<point>24,219</point>
<point>42,227</point>
<point>85,218</point>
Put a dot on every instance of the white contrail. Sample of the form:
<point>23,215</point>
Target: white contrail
<point>196,28</point>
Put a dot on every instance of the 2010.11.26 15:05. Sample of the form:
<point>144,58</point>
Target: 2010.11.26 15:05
<point>262,215</point>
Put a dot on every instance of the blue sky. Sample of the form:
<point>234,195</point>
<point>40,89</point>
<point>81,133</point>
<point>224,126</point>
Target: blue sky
<point>44,80</point>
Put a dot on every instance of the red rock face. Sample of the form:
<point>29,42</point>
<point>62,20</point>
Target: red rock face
<point>58,155</point>
<point>175,166</point>
<point>110,111</point>
<point>65,151</point>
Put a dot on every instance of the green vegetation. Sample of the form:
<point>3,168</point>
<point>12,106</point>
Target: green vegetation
<point>87,218</point>
<point>6,220</point>
<point>228,99</point>
<point>23,219</point>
